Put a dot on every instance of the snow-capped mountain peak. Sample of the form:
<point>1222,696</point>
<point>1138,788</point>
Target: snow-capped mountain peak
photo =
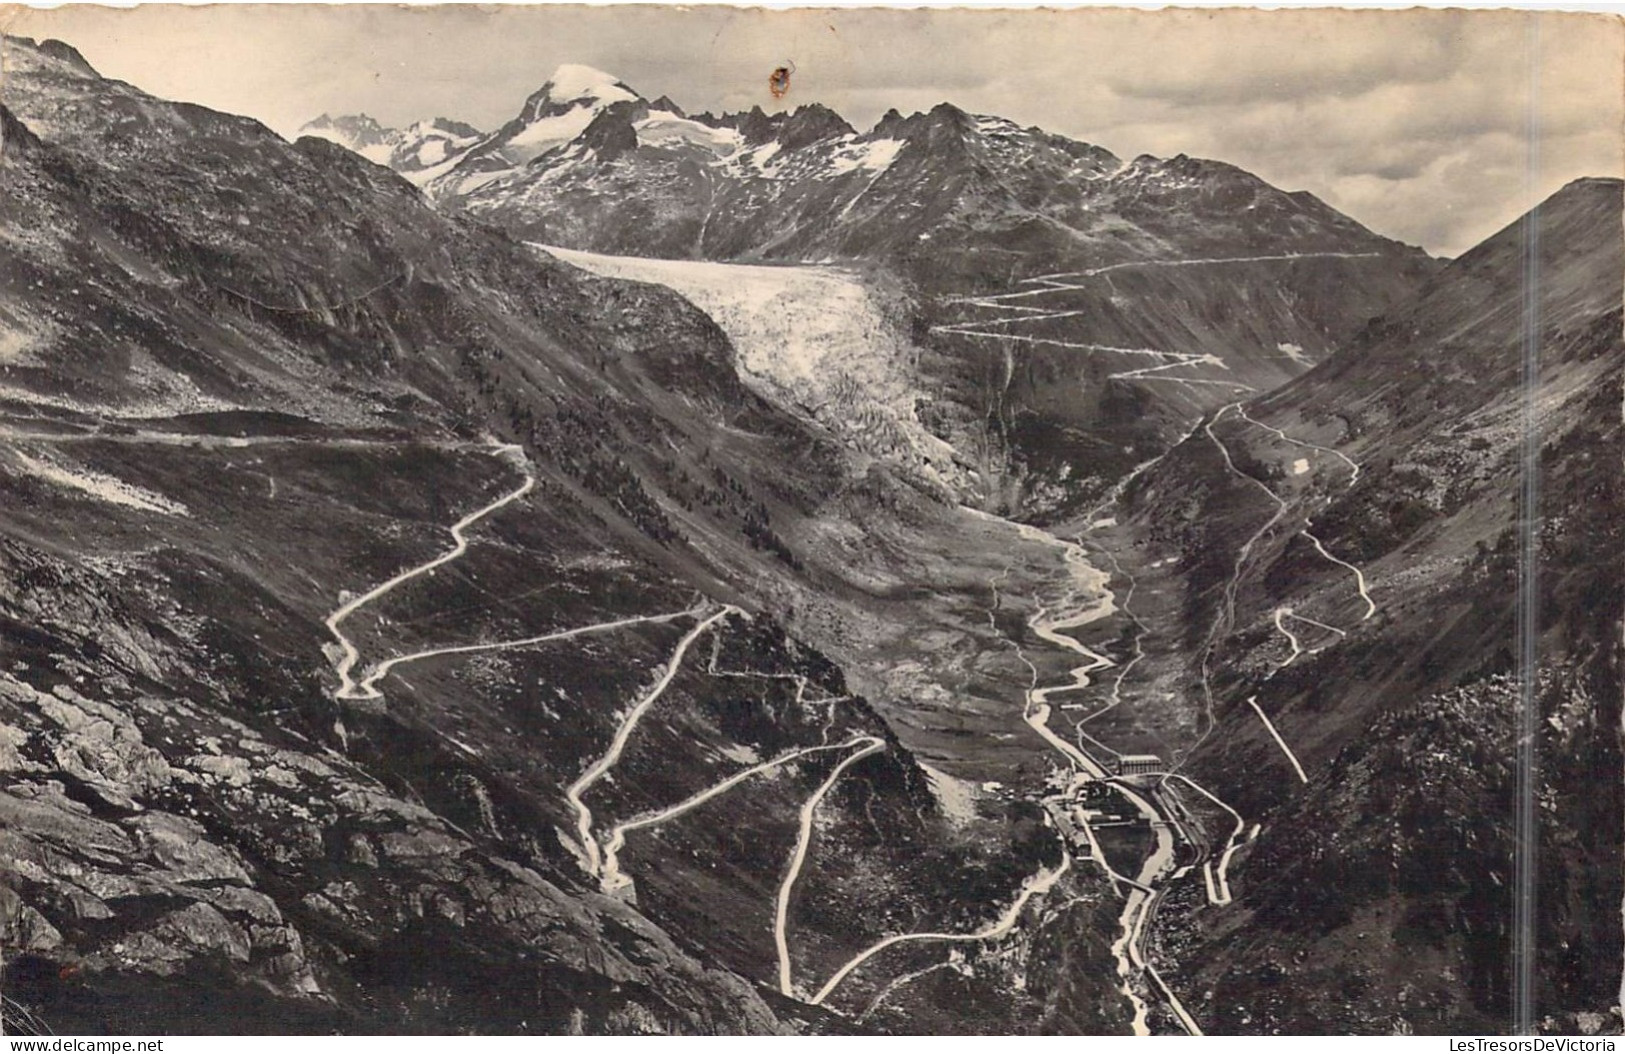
<point>573,83</point>
<point>356,132</point>
<point>425,143</point>
<point>431,142</point>
<point>444,126</point>
<point>586,135</point>
<point>556,114</point>
<point>578,93</point>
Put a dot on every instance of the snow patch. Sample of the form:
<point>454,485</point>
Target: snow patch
<point>424,176</point>
<point>100,486</point>
<point>742,754</point>
<point>667,129</point>
<point>432,151</point>
<point>460,745</point>
<point>764,154</point>
<point>540,136</point>
<point>956,796</point>
<point>1295,353</point>
<point>469,184</point>
<point>760,161</point>
<point>584,92</point>
<point>988,125</point>
<point>571,82</point>
<point>15,345</point>
<point>876,156</point>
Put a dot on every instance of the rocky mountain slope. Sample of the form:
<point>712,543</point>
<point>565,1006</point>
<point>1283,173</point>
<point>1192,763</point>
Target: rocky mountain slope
<point>519,745</point>
<point>418,617</point>
<point>1032,265</point>
<point>1355,598</point>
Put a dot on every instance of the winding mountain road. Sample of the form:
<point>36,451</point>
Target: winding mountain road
<point>614,878</point>
<point>1226,619</point>
<point>348,655</point>
<point>1012,315</point>
<point>1297,649</point>
<point>798,857</point>
<point>367,688</point>
<point>1308,524</point>
<point>1140,901</point>
<point>1036,885</point>
<point>1072,281</point>
<point>1354,466</point>
<point>1054,277</point>
<point>596,771</point>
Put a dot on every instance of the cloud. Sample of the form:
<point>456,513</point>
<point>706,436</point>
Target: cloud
<point>1416,123</point>
<point>1334,53</point>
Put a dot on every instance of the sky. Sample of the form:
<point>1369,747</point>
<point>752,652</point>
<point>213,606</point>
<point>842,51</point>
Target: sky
<point>1435,127</point>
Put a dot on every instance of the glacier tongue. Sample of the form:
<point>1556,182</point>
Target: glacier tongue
<point>813,339</point>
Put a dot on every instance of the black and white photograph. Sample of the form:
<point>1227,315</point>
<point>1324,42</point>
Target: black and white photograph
<point>603,521</point>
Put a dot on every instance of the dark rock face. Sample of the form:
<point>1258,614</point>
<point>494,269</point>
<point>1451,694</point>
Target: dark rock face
<point>142,891</point>
<point>811,124</point>
<point>611,133</point>
<point>263,345</point>
<point>404,631</point>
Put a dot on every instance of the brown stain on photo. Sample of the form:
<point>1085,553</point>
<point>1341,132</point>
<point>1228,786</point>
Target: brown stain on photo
<point>778,82</point>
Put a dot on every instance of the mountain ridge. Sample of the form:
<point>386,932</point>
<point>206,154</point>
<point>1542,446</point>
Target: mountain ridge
<point>411,624</point>
<point>808,124</point>
<point>520,476</point>
<point>945,203</point>
<point>1372,628</point>
<point>408,151</point>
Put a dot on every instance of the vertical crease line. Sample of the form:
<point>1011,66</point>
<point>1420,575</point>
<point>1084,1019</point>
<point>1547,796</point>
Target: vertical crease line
<point>1526,834</point>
